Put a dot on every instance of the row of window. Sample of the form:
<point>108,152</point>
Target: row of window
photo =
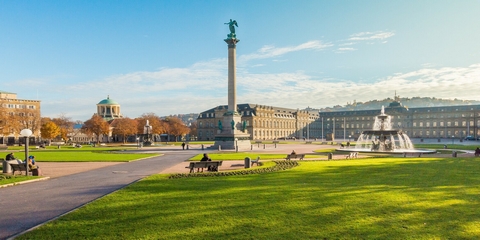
<point>19,106</point>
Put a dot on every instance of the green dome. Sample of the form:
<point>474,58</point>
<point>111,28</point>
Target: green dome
<point>108,101</point>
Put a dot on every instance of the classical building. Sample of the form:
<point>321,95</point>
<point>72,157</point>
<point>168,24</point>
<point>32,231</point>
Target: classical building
<point>109,109</point>
<point>269,123</point>
<point>263,122</point>
<point>17,114</point>
<point>455,122</point>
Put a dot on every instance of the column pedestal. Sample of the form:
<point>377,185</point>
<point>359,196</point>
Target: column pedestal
<point>230,138</point>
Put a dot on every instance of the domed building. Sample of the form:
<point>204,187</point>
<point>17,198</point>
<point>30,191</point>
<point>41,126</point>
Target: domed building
<point>109,109</point>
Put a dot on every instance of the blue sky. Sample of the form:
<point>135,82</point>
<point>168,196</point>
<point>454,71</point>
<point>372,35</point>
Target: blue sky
<point>169,57</point>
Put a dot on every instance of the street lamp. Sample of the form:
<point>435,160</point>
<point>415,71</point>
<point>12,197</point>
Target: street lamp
<point>26,133</point>
<point>453,138</point>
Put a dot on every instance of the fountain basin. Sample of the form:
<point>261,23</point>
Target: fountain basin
<point>395,151</point>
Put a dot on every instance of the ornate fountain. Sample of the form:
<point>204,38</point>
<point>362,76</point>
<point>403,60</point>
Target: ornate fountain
<point>382,138</point>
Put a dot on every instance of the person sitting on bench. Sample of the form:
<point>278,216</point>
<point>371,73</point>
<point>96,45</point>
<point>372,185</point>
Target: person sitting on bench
<point>31,163</point>
<point>204,159</point>
<point>10,156</point>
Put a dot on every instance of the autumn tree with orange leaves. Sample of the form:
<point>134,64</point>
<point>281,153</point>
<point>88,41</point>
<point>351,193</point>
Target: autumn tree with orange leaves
<point>125,127</point>
<point>96,126</point>
<point>49,130</point>
<point>158,126</point>
<point>176,127</point>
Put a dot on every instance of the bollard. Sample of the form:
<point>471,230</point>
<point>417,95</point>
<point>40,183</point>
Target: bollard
<point>264,146</point>
<point>219,147</point>
<point>6,167</point>
<point>248,162</point>
<point>330,156</point>
<point>275,145</point>
<point>188,147</point>
<point>202,147</point>
<point>251,147</point>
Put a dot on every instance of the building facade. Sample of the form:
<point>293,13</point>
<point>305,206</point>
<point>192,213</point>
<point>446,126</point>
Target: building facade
<point>453,122</point>
<point>263,122</point>
<point>272,123</point>
<point>17,114</point>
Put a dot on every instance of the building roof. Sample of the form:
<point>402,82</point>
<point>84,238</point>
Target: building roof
<point>108,101</point>
<point>6,92</point>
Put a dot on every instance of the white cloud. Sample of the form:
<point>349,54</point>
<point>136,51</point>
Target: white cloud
<point>269,51</point>
<point>369,36</point>
<point>342,50</point>
<point>203,85</point>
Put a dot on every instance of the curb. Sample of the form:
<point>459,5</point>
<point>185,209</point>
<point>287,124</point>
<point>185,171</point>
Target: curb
<point>24,182</point>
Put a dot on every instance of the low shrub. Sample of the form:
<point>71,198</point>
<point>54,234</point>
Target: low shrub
<point>279,166</point>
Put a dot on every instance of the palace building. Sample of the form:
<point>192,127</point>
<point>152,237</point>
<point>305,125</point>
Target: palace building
<point>263,122</point>
<point>271,123</point>
<point>454,122</point>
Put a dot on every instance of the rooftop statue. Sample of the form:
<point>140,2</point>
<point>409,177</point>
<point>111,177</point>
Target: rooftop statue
<point>232,25</point>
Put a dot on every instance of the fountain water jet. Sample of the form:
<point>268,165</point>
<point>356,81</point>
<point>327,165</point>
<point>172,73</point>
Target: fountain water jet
<point>382,138</point>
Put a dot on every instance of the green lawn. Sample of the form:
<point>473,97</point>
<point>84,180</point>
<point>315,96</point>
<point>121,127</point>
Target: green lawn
<point>382,198</point>
<point>243,155</point>
<point>449,146</point>
<point>87,156</point>
<point>84,154</point>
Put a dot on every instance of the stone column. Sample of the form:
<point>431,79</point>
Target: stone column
<point>232,66</point>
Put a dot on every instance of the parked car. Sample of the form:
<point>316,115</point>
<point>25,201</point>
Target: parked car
<point>470,138</point>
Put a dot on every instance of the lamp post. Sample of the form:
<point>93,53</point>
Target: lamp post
<point>26,133</point>
<point>453,138</point>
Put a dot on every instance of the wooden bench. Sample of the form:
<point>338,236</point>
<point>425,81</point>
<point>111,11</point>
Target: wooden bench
<point>256,161</point>
<point>204,164</point>
<point>18,167</point>
<point>351,155</point>
<point>295,156</point>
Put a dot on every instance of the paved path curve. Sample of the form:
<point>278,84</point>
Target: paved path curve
<point>25,206</point>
